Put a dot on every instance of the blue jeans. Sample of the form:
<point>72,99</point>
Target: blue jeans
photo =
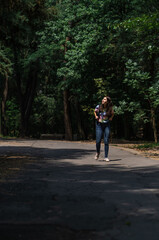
<point>102,128</point>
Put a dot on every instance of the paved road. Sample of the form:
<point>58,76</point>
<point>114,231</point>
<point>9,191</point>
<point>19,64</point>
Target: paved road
<point>61,192</point>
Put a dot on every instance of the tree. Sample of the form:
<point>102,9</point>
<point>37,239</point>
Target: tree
<point>75,27</point>
<point>5,71</point>
<point>19,33</point>
<point>139,80</point>
<point>136,38</point>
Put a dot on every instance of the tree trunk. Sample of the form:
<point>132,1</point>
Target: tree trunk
<point>3,109</point>
<point>67,120</point>
<point>152,73</point>
<point>79,121</point>
<point>27,101</point>
<point>154,124</point>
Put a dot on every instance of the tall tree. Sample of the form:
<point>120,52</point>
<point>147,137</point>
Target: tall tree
<point>5,72</point>
<point>19,33</point>
<point>145,78</point>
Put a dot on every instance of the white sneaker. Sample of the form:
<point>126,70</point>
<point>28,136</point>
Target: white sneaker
<point>106,159</point>
<point>96,156</point>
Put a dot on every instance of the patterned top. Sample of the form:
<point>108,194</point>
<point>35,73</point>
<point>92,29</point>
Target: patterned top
<point>103,118</point>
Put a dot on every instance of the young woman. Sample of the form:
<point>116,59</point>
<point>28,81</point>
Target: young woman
<point>103,114</point>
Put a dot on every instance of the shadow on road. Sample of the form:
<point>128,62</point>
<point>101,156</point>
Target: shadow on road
<point>66,194</point>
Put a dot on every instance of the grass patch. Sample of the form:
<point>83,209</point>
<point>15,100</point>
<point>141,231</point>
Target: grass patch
<point>6,137</point>
<point>147,146</point>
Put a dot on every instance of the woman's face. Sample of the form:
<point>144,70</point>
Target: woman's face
<point>104,100</point>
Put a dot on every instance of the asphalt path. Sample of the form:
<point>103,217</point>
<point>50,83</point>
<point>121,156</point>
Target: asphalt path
<point>61,192</point>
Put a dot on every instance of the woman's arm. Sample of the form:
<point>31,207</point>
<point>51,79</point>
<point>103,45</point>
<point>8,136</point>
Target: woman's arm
<point>96,112</point>
<point>96,116</point>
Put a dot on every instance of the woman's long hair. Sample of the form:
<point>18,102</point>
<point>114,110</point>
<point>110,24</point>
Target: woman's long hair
<point>108,107</point>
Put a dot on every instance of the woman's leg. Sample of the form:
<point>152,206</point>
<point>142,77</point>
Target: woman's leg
<point>106,139</point>
<point>99,133</point>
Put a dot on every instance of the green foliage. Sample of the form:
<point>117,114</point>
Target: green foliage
<point>141,117</point>
<point>5,63</point>
<point>44,105</point>
<point>141,81</point>
<point>147,145</point>
<point>13,117</point>
<point>154,91</point>
<point>46,115</point>
<point>102,88</point>
<point>90,47</point>
<point>76,27</point>
<point>135,77</point>
<point>126,106</point>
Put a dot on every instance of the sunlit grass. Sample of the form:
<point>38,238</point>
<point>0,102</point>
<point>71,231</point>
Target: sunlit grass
<point>147,146</point>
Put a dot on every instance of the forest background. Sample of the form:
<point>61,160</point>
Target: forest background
<point>59,58</point>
